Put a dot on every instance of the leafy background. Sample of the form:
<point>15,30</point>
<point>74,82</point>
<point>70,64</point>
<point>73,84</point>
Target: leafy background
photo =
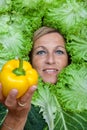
<point>63,105</point>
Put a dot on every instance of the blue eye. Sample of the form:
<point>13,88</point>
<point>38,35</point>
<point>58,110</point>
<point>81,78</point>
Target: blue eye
<point>60,52</point>
<point>40,52</point>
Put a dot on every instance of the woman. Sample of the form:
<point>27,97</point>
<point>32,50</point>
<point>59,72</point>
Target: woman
<point>48,57</point>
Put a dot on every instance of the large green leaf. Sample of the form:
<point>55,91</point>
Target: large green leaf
<point>47,104</point>
<point>5,5</point>
<point>77,48</point>
<point>34,120</point>
<point>53,112</point>
<point>3,112</point>
<point>72,87</point>
<point>70,121</point>
<point>69,17</point>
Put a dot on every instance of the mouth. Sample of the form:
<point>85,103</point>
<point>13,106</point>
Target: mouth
<point>51,71</point>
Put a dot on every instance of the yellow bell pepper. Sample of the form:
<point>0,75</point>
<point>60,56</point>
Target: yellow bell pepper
<point>17,74</point>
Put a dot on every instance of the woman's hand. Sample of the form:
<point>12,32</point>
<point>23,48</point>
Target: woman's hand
<point>17,108</point>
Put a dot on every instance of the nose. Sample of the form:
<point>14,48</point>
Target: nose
<point>50,59</point>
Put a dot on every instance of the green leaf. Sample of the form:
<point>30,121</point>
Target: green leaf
<point>14,42</point>
<point>70,121</point>
<point>55,115</point>
<point>72,87</point>
<point>34,120</point>
<point>5,5</point>
<point>26,6</point>
<point>68,17</point>
<point>77,47</point>
<point>47,103</point>
<point>3,113</point>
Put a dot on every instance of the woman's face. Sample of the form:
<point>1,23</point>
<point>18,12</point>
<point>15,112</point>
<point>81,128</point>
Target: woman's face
<point>49,56</point>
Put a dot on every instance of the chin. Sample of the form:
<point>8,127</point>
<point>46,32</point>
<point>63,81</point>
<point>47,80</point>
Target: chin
<point>52,81</point>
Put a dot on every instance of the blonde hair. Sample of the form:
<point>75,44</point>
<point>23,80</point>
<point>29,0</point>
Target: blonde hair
<point>42,31</point>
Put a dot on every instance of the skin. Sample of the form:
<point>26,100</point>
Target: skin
<point>17,115</point>
<point>49,56</point>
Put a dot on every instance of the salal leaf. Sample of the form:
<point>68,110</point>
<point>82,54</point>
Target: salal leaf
<point>72,87</point>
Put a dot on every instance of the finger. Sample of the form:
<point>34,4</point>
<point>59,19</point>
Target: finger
<point>28,96</point>
<point>11,101</point>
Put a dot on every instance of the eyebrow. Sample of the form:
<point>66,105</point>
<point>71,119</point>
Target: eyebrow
<point>39,47</point>
<point>45,47</point>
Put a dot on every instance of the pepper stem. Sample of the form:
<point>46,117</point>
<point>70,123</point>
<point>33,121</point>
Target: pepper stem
<point>19,71</point>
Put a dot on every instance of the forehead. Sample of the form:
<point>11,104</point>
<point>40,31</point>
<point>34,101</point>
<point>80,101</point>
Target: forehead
<point>50,38</point>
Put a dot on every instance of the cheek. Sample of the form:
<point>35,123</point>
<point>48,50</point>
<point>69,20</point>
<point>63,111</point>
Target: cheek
<point>38,67</point>
<point>63,62</point>
<point>36,63</point>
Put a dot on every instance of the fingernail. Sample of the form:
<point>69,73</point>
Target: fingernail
<point>33,88</point>
<point>14,92</point>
